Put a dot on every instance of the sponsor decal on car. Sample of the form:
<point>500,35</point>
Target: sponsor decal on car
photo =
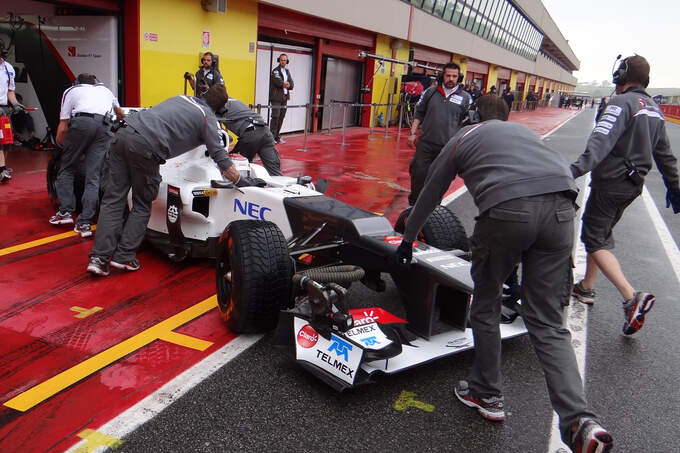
<point>307,337</point>
<point>252,210</point>
<point>369,335</point>
<point>173,213</point>
<point>336,356</point>
<point>368,315</point>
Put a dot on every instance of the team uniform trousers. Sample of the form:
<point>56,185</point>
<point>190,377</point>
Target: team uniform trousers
<point>259,140</point>
<point>278,114</point>
<point>131,164</point>
<point>90,137</point>
<point>604,209</point>
<point>538,231</point>
<point>426,153</point>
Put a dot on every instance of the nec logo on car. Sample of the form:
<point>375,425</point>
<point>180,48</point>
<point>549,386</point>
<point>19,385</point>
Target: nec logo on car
<point>250,209</point>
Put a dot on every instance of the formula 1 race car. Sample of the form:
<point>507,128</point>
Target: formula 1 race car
<point>286,255</point>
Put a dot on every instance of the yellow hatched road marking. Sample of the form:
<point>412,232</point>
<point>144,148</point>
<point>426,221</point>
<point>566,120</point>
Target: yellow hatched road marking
<point>161,331</point>
<point>85,312</point>
<point>95,440</point>
<point>38,242</point>
<point>407,399</point>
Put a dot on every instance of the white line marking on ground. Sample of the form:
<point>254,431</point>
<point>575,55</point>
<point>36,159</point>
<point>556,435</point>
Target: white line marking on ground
<point>665,236</point>
<point>155,403</point>
<point>576,318</point>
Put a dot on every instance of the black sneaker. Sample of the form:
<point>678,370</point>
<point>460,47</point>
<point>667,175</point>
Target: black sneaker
<point>590,437</point>
<point>84,229</point>
<point>98,266</point>
<point>491,408</point>
<point>634,311</point>
<point>131,265</point>
<point>61,218</point>
<point>583,295</point>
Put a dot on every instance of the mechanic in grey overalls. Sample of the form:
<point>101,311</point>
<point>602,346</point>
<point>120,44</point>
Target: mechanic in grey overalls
<point>147,140</point>
<point>525,195</point>
<point>254,136</point>
<point>441,110</point>
<point>84,131</point>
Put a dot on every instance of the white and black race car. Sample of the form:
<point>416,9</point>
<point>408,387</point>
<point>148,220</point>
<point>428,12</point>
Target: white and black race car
<point>286,255</point>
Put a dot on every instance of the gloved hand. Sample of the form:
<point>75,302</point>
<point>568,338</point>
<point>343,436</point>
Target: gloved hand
<point>403,255</point>
<point>251,182</point>
<point>187,75</point>
<point>673,199</point>
<point>16,108</point>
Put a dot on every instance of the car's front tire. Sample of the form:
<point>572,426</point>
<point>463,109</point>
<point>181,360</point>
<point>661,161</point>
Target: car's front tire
<point>253,276</point>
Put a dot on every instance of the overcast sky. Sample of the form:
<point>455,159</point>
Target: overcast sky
<point>599,30</point>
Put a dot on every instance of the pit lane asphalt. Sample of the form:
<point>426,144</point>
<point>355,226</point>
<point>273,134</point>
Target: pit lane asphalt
<point>262,401</point>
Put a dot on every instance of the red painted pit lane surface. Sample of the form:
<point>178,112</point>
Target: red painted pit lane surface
<point>40,335</point>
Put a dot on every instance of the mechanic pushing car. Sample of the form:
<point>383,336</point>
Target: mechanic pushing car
<point>525,195</point>
<point>254,136</point>
<point>143,142</point>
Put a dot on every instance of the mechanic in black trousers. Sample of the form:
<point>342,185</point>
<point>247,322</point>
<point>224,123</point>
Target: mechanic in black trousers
<point>629,134</point>
<point>441,109</point>
<point>148,138</point>
<point>84,130</point>
<point>280,85</point>
<point>254,136</point>
<point>525,195</point>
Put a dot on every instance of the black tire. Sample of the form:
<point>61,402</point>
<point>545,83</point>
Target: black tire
<point>255,254</point>
<point>442,229</point>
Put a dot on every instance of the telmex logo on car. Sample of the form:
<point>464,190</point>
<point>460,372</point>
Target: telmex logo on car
<point>336,356</point>
<point>369,335</point>
<point>250,209</point>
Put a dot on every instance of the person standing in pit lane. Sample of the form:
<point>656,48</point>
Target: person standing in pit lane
<point>254,136</point>
<point>206,76</point>
<point>280,85</point>
<point>8,105</point>
<point>84,131</point>
<point>441,109</point>
<point>630,133</point>
<point>146,141</point>
<point>525,195</point>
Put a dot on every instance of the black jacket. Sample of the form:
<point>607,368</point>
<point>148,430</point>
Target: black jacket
<point>276,85</point>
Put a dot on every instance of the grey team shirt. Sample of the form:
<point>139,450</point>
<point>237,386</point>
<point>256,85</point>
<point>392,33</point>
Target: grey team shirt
<point>499,161</point>
<point>631,126</point>
<point>178,125</point>
<point>239,116</point>
<point>441,116</point>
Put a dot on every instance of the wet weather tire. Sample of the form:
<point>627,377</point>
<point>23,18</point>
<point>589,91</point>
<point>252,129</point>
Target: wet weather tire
<point>443,229</point>
<point>253,275</point>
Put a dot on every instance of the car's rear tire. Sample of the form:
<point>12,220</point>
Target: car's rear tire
<point>253,275</point>
<point>442,229</point>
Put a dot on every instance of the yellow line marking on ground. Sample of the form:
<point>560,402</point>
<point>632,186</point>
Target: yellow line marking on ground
<point>161,331</point>
<point>407,399</point>
<point>38,242</point>
<point>85,312</point>
<point>673,120</point>
<point>95,440</point>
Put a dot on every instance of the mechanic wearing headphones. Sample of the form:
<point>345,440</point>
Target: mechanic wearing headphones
<point>525,195</point>
<point>8,105</point>
<point>630,132</point>
<point>206,76</point>
<point>441,109</point>
<point>84,130</point>
<point>280,85</point>
<point>144,142</point>
<point>254,137</point>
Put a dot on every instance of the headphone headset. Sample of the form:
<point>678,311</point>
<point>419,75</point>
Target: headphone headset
<point>620,76</point>
<point>283,55</point>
